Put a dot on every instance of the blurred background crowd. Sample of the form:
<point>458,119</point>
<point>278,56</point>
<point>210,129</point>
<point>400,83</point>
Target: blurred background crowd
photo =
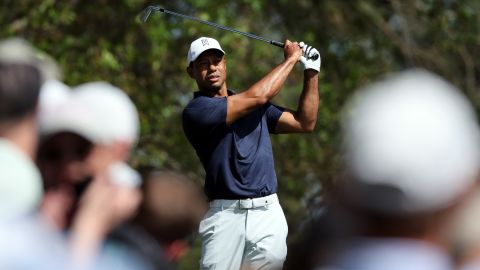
<point>95,173</point>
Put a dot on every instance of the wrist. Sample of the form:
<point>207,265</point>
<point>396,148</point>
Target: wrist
<point>310,73</point>
<point>291,60</point>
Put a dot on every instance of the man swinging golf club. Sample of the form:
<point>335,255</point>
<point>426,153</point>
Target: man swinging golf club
<point>245,225</point>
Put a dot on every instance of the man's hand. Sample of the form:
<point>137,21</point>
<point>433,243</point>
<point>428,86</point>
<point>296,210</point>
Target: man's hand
<point>292,51</point>
<point>306,58</point>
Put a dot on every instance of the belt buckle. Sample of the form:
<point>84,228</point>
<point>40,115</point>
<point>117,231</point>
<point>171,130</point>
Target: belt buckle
<point>246,203</point>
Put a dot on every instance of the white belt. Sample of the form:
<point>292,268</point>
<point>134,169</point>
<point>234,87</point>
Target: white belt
<point>245,203</point>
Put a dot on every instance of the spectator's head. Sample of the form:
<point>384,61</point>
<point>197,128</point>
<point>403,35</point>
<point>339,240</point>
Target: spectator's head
<point>412,146</point>
<point>20,81</point>
<point>19,90</point>
<point>68,134</point>
<point>22,71</point>
<point>115,125</point>
<point>83,133</point>
<point>172,208</point>
<point>115,110</point>
<point>96,125</point>
<point>19,51</point>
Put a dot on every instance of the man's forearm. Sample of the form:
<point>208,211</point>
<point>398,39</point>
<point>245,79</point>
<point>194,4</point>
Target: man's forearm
<point>309,99</point>
<point>270,85</point>
<point>265,89</point>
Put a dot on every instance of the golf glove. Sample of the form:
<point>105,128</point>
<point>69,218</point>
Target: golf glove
<point>307,60</point>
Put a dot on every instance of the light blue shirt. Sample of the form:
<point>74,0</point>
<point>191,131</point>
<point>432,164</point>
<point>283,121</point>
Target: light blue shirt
<point>390,254</point>
<point>21,185</point>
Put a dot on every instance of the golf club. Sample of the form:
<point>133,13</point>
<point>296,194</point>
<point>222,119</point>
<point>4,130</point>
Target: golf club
<point>148,11</point>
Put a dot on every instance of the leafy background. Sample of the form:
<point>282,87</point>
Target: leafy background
<point>358,41</point>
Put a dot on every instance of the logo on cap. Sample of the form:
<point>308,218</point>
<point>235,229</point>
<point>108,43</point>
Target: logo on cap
<point>205,42</point>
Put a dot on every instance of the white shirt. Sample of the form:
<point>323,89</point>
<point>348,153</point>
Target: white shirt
<point>20,182</point>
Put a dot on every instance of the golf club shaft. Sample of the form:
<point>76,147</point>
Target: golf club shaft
<point>149,10</point>
<point>273,42</point>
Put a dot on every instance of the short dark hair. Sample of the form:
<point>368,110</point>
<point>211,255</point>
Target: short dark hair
<point>173,206</point>
<point>19,90</point>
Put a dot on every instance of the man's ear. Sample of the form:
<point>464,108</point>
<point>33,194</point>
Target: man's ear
<point>190,71</point>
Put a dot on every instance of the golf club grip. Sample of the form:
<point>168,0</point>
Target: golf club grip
<point>277,43</point>
<point>281,45</point>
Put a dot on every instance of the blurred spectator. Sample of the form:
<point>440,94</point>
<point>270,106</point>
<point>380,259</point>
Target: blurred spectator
<point>100,113</point>
<point>27,242</point>
<point>317,239</point>
<point>55,202</point>
<point>115,110</point>
<point>412,155</point>
<point>465,234</point>
<point>18,50</point>
<point>92,128</point>
<point>105,205</point>
<point>21,183</point>
<point>170,212</point>
<point>86,138</point>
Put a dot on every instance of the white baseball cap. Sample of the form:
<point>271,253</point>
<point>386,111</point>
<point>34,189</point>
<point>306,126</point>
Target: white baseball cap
<point>200,45</point>
<point>58,112</point>
<point>114,111</point>
<point>411,144</point>
<point>18,50</point>
<point>71,116</point>
<point>97,111</point>
<point>53,93</point>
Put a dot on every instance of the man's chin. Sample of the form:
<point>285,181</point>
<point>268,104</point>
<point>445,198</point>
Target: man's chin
<point>212,88</point>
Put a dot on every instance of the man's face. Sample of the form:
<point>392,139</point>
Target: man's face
<point>61,160</point>
<point>209,71</point>
<point>68,164</point>
<point>69,159</point>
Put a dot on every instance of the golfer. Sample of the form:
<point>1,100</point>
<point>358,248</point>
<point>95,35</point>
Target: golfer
<point>245,225</point>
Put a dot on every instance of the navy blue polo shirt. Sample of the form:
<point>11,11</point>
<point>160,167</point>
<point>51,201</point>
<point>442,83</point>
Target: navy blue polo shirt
<point>237,159</point>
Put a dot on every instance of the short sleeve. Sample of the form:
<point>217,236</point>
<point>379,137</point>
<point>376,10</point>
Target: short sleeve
<point>203,114</point>
<point>273,113</point>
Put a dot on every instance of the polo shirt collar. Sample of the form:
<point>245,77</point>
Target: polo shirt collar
<point>199,93</point>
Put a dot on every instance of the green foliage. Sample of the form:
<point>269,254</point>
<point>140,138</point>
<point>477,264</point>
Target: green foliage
<point>358,41</point>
